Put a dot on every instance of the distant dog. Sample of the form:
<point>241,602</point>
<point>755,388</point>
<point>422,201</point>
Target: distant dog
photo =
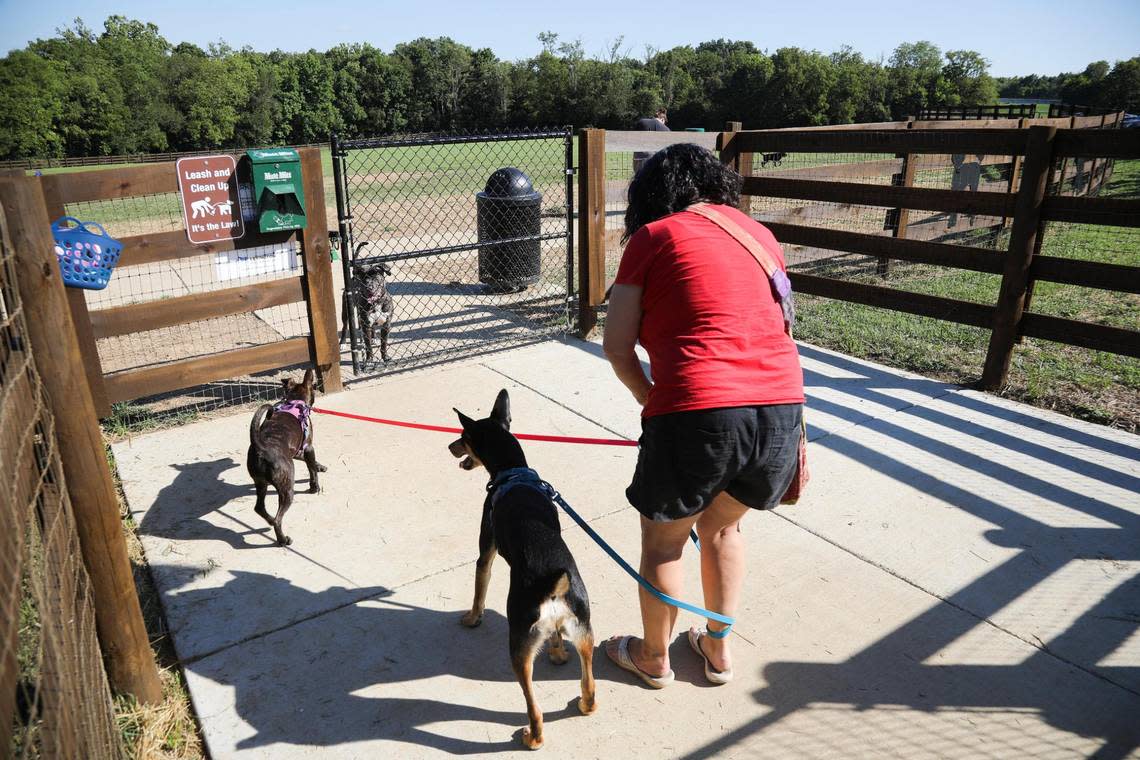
<point>278,434</point>
<point>547,599</point>
<point>368,294</point>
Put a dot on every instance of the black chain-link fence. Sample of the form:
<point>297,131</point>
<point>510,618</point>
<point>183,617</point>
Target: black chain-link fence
<point>453,244</point>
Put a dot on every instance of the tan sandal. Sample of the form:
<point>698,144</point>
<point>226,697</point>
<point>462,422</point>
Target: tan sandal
<point>714,676</point>
<point>624,660</point>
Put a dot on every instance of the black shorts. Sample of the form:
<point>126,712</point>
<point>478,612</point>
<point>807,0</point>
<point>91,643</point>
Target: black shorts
<point>685,459</point>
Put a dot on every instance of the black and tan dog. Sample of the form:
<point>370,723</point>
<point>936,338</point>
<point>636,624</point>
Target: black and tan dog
<point>547,600</point>
<point>278,434</point>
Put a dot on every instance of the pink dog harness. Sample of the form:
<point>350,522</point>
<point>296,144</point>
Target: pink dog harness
<point>301,411</point>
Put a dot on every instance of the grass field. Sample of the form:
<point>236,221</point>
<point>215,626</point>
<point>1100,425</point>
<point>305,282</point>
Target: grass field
<point>1091,385</point>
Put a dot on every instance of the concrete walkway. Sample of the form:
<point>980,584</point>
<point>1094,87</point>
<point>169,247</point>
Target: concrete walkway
<point>961,580</point>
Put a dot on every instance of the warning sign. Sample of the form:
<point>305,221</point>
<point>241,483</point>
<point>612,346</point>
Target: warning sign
<point>208,186</point>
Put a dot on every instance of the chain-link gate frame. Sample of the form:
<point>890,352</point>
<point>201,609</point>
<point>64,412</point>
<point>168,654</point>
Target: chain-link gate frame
<point>460,281</point>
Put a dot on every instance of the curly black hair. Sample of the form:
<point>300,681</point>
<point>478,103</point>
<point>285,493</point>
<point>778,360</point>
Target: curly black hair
<point>674,178</point>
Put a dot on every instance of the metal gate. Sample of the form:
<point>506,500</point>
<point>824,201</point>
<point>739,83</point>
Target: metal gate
<point>452,255</point>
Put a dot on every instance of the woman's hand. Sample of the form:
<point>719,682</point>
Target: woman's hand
<point>623,323</point>
<point>643,396</point>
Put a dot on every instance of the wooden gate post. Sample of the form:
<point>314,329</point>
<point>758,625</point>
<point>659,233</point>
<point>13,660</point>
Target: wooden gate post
<point>1022,243</point>
<point>81,318</point>
<point>901,215</point>
<point>319,300</point>
<point>741,164</point>
<point>118,617</point>
<point>591,228</point>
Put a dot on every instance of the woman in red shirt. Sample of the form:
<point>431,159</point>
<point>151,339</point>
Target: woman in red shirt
<point>721,416</point>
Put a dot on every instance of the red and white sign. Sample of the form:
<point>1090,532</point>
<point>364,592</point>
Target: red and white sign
<point>210,206</point>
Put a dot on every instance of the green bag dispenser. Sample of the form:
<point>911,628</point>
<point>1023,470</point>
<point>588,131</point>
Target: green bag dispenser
<point>278,190</point>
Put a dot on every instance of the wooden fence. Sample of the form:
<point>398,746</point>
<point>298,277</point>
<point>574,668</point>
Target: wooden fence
<point>1000,111</point>
<point>1024,206</point>
<point>62,447</point>
<point>313,287</point>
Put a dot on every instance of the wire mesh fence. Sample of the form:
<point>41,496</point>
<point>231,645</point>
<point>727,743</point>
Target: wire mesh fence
<point>54,696</point>
<point>152,283</point>
<point>457,244</point>
<point>1092,384</point>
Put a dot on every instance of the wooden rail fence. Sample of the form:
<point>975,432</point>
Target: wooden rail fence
<point>313,287</point>
<point>1033,149</point>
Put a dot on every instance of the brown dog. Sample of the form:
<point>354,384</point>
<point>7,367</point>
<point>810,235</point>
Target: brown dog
<point>279,434</point>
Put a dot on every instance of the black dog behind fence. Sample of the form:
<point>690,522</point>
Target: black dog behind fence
<point>453,244</point>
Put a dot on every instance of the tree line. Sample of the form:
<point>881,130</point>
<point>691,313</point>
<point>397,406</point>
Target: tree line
<point>129,90</point>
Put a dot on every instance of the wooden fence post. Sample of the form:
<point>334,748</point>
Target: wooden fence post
<point>80,317</point>
<point>901,215</point>
<point>118,617</point>
<point>1023,240</point>
<point>742,165</point>
<point>1014,172</point>
<point>319,300</point>
<point>591,228</point>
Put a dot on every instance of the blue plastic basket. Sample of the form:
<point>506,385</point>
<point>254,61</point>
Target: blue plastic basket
<point>86,258</point>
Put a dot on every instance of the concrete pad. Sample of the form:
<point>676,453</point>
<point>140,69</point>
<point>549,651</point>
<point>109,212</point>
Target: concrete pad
<point>396,677</point>
<point>960,579</point>
<point>390,495</point>
<point>991,506</point>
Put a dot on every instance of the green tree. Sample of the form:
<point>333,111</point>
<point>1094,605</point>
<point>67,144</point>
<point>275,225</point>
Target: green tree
<point>137,54</point>
<point>966,74</point>
<point>32,91</point>
<point>306,98</point>
<point>93,115</point>
<point>1121,86</point>
<point>438,69</point>
<point>914,75</point>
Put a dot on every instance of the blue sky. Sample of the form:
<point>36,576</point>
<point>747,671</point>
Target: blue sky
<point>1046,37</point>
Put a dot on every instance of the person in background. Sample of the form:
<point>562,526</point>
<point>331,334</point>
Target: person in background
<point>655,123</point>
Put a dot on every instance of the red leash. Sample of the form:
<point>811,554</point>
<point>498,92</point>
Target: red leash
<point>520,436</point>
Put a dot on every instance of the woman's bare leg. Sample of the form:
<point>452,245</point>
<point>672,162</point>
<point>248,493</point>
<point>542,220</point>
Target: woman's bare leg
<point>722,568</point>
<point>661,546</point>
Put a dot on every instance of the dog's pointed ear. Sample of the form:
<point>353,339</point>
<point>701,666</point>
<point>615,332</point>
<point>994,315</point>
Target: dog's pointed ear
<point>385,269</point>
<point>502,411</point>
<point>287,384</point>
<point>308,377</point>
<point>464,420</point>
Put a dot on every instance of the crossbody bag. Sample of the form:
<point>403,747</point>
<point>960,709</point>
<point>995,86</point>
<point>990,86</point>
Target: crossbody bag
<point>782,291</point>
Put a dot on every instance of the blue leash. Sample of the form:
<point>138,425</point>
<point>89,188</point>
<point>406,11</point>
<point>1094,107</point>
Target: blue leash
<point>524,476</point>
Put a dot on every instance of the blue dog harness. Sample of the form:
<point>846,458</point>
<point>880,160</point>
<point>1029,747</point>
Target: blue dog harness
<point>516,477</point>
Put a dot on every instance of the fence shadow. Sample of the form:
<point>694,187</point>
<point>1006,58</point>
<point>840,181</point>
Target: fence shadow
<point>931,425</point>
<point>315,683</point>
<point>901,670</point>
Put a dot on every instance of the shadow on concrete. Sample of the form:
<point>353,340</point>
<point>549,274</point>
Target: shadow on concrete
<point>328,668</point>
<point>896,671</point>
<point>198,490</point>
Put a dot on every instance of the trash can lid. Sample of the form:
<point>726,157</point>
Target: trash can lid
<point>509,182</point>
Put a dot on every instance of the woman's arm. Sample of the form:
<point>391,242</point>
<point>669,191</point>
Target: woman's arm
<point>623,323</point>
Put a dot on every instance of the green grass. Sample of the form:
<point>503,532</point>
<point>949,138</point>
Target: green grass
<point>1093,385</point>
<point>128,419</point>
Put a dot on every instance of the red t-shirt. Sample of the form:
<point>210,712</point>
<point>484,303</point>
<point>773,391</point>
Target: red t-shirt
<point>710,322</point>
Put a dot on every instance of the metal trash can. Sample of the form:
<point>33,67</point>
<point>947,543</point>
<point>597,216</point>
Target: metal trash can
<point>509,207</point>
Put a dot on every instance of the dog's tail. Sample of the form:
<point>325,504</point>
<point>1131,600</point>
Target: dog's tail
<point>255,438</point>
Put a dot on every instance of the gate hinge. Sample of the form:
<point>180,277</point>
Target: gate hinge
<point>570,172</point>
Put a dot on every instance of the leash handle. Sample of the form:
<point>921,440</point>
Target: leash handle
<point>728,621</point>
